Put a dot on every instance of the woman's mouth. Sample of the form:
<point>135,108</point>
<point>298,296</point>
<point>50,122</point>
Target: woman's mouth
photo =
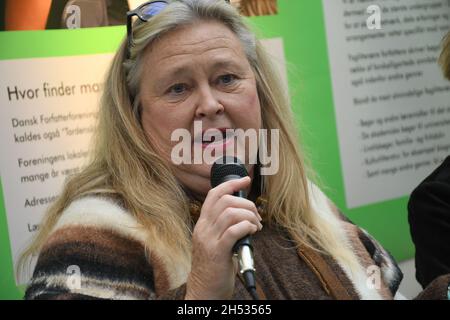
<point>216,138</point>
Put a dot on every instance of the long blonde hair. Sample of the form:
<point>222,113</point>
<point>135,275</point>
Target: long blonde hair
<point>125,166</point>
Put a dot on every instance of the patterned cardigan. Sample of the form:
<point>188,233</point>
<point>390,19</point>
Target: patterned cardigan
<point>98,250</point>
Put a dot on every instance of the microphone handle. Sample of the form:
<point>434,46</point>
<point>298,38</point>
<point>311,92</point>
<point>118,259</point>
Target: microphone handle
<point>244,250</point>
<point>245,241</point>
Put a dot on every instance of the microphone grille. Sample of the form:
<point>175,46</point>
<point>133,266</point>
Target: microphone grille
<point>224,167</point>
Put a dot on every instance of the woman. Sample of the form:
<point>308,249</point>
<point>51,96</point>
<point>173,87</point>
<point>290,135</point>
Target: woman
<point>134,225</point>
<point>429,211</point>
<point>429,217</point>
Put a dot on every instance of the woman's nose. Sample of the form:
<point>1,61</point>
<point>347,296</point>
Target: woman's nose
<point>208,105</point>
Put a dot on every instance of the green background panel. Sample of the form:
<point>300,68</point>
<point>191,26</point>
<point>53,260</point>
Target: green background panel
<point>301,25</point>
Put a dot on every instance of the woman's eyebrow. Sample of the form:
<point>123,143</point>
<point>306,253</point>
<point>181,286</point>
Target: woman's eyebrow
<point>177,71</point>
<point>224,64</point>
<point>187,70</point>
<point>172,73</point>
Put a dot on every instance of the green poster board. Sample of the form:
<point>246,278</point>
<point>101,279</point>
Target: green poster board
<point>301,25</point>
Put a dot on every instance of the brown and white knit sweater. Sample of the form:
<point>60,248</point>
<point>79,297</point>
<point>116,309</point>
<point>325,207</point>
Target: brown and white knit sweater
<point>106,243</point>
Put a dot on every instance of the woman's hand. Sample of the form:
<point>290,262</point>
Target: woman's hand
<point>224,219</point>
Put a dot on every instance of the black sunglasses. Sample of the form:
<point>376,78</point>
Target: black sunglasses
<point>144,12</point>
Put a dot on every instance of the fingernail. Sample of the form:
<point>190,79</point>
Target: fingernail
<point>259,217</point>
<point>260,226</point>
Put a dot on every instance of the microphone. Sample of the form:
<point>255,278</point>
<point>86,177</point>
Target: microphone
<point>226,169</point>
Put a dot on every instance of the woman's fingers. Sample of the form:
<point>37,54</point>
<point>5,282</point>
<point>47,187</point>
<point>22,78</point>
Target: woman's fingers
<point>233,216</point>
<point>228,187</point>
<point>221,198</point>
<point>229,201</point>
<point>236,232</point>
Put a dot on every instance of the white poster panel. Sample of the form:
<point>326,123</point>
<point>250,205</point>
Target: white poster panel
<point>392,103</point>
<point>49,108</point>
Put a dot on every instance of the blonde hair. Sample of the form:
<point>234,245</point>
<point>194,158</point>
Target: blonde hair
<point>444,58</point>
<point>126,167</point>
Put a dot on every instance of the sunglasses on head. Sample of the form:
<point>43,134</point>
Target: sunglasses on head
<point>144,12</point>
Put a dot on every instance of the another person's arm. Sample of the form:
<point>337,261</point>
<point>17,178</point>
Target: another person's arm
<point>429,220</point>
<point>26,15</point>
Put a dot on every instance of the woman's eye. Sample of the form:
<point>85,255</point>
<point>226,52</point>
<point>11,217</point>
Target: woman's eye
<point>178,88</point>
<point>227,79</point>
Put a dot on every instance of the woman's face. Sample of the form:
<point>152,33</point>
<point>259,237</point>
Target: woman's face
<point>198,73</point>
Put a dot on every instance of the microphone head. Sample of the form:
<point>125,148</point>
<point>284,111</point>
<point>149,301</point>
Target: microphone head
<point>225,167</point>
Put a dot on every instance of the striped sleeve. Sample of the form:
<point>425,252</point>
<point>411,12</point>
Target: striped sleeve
<point>97,251</point>
<point>82,262</point>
